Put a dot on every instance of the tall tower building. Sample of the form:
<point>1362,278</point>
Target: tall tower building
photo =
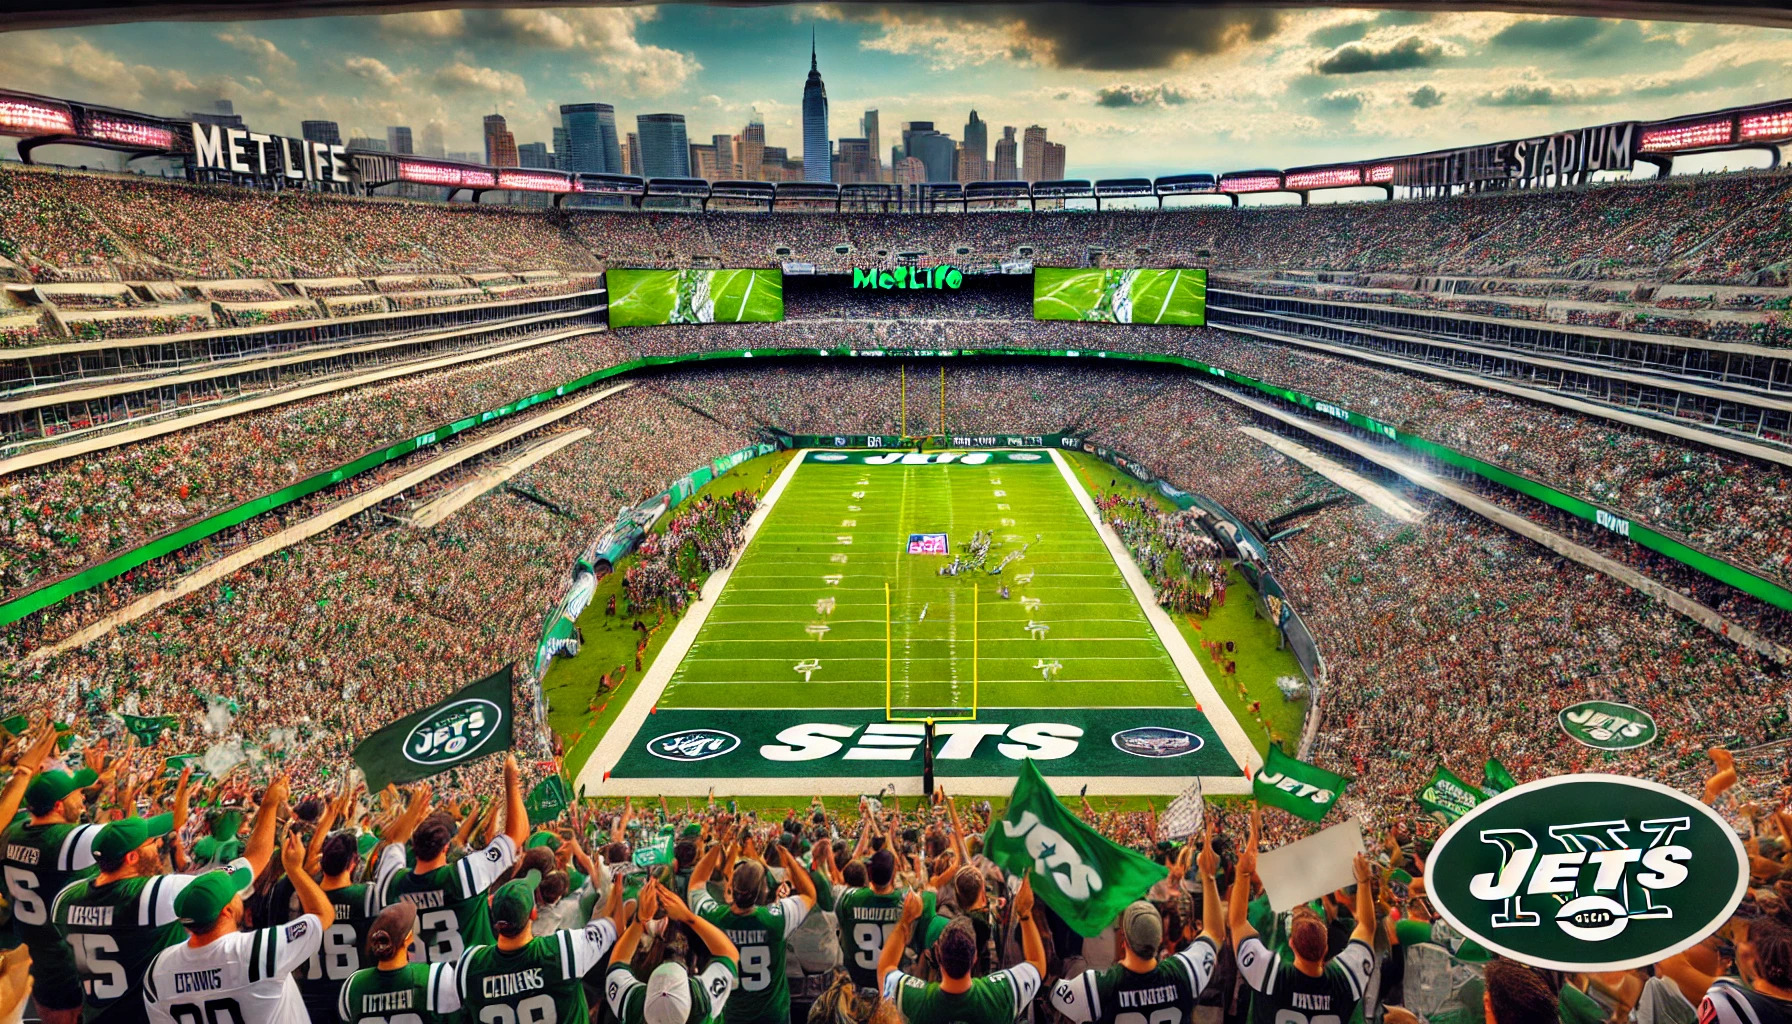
<point>398,138</point>
<point>976,147</point>
<point>818,152</point>
<point>868,128</point>
<point>1006,168</point>
<point>1032,153</point>
<point>724,147</point>
<point>749,150</point>
<point>631,154</point>
<point>665,152</point>
<point>327,132</point>
<point>590,138</point>
<point>500,145</point>
<point>431,140</point>
<point>1052,165</point>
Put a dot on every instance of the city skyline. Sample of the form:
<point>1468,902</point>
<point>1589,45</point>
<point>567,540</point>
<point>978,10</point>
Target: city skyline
<point>1133,91</point>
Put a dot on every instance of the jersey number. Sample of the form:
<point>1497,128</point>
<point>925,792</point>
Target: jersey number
<point>870,939</point>
<point>1297,1017</point>
<point>27,903</point>
<point>212,1011</point>
<point>397,1018</point>
<point>101,977</point>
<point>438,938</point>
<point>1161,1015</point>
<point>336,957</point>
<point>533,1010</point>
<point>755,968</point>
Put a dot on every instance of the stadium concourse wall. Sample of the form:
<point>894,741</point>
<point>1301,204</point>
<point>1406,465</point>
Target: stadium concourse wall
<point>118,565</point>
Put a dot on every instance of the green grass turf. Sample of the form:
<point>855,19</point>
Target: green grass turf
<point>757,632</point>
<point>1157,296</point>
<point>1254,638</point>
<point>639,297</point>
<point>571,683</point>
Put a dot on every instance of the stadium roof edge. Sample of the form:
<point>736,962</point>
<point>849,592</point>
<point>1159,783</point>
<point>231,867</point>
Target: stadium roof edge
<point>39,14</point>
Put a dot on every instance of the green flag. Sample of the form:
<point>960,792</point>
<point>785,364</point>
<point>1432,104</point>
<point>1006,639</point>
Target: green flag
<point>171,767</point>
<point>1301,789</point>
<point>16,725</point>
<point>548,800</point>
<point>472,723</point>
<point>148,729</point>
<point>654,853</point>
<point>1084,877</point>
<point>1495,779</point>
<point>1447,796</point>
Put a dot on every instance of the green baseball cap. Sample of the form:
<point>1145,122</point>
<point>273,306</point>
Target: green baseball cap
<point>127,834</point>
<point>206,896</point>
<point>515,900</point>
<point>691,831</point>
<point>47,789</point>
<point>367,841</point>
<point>543,838</point>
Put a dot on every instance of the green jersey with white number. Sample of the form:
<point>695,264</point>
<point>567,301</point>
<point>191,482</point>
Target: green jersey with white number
<point>763,996</point>
<point>1166,994</point>
<point>339,956</point>
<point>36,862</point>
<point>413,994</point>
<point>115,932</point>
<point>997,999</point>
<point>1282,994</point>
<point>536,984</point>
<point>451,905</point>
<point>867,918</point>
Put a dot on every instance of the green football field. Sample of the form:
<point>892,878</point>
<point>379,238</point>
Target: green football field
<point>643,297</point>
<point>1121,296</point>
<point>831,643</point>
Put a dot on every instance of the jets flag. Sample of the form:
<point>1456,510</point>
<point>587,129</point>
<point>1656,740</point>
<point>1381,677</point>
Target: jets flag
<point>472,723</point>
<point>1301,789</point>
<point>1085,878</point>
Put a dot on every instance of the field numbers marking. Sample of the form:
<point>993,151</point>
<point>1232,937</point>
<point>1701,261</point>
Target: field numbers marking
<point>808,666</point>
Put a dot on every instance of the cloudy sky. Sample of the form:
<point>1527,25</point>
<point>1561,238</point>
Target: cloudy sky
<point>1146,90</point>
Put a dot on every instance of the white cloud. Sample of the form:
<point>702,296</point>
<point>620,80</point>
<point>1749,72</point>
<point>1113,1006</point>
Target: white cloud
<point>261,49</point>
<point>373,70</point>
<point>463,77</point>
<point>423,25</point>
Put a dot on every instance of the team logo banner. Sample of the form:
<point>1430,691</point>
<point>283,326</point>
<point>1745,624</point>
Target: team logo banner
<point>471,724</point>
<point>1604,725</point>
<point>1588,873</point>
<point>1303,790</point>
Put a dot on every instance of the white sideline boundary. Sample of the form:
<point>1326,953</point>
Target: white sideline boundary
<point>633,718</point>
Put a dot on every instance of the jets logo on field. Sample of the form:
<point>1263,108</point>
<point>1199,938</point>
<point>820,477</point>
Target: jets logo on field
<point>830,457</point>
<point>1588,872</point>
<point>453,732</point>
<point>693,744</point>
<point>1157,741</point>
<point>1604,725</point>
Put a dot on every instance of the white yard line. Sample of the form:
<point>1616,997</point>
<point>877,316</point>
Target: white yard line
<point>653,685</point>
<point>1231,734</point>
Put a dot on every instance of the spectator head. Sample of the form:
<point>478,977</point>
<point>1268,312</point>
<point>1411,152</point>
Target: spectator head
<point>50,789</point>
<point>1306,935</point>
<point>854,874</point>
<point>391,931</point>
<point>541,859</point>
<point>956,948</point>
<point>967,883</point>
<point>513,905</point>
<point>616,853</point>
<point>882,869</point>
<point>339,853</point>
<point>433,836</point>
<point>554,887</point>
<point>1765,952</point>
<point>668,995</point>
<point>309,810</point>
<point>1516,994</point>
<point>213,899</point>
<point>685,853</point>
<point>748,881</point>
<point>132,841</point>
<point>1143,929</point>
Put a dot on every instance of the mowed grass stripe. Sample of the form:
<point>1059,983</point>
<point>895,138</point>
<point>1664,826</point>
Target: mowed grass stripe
<point>757,632</point>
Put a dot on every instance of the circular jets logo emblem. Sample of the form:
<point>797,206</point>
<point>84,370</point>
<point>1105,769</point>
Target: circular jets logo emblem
<point>693,744</point>
<point>1157,741</point>
<point>453,733</point>
<point>1023,456</point>
<point>1588,873</point>
<point>830,457</point>
<point>1607,726</point>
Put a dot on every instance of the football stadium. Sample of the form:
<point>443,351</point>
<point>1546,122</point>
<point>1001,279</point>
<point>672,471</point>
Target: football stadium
<point>521,513</point>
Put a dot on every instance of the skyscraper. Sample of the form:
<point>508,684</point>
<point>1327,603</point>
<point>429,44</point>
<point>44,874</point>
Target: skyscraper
<point>500,145</point>
<point>1052,165</point>
<point>321,131</point>
<point>398,138</point>
<point>724,148</point>
<point>818,154</point>
<point>1032,153</point>
<point>590,138</point>
<point>703,161</point>
<point>935,150</point>
<point>432,139</point>
<point>868,128</point>
<point>562,149</point>
<point>631,154</point>
<point>749,150</point>
<point>534,154</point>
<point>976,146</point>
<point>1005,163</point>
<point>368,143</point>
<point>855,161</point>
<point>665,152</point>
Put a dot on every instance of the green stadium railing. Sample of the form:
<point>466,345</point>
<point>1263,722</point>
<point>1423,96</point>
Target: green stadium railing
<point>1620,525</point>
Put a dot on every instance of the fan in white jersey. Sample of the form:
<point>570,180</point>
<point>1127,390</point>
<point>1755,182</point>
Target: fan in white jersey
<point>221,973</point>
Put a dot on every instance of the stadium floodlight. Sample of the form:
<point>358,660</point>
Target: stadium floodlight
<point>960,715</point>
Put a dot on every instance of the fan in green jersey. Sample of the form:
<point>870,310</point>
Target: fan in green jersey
<point>868,917</point>
<point>1141,986</point>
<point>450,898</point>
<point>397,990</point>
<point>117,921</point>
<point>37,858</point>
<point>960,998</point>
<point>1306,986</point>
<point>758,932</point>
<point>671,995</point>
<point>525,977</point>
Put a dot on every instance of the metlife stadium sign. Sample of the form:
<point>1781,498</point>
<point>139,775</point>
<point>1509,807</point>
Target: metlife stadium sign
<point>257,155</point>
<point>1588,873</point>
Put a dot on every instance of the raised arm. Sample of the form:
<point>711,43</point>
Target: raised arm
<point>714,939</point>
<point>311,896</point>
<point>1032,944</point>
<point>799,878</point>
<point>891,956</point>
<point>516,814</point>
<point>29,762</point>
<point>1237,913</point>
<point>704,868</point>
<point>1213,920</point>
<point>260,849</point>
<point>1365,901</point>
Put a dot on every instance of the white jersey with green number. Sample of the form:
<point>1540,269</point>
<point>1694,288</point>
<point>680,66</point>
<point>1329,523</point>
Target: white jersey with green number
<point>242,978</point>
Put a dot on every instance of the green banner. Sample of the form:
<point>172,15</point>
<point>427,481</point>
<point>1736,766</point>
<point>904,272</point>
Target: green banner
<point>149,729</point>
<point>15,725</point>
<point>473,723</point>
<point>654,852</point>
<point>1086,878</point>
<point>1303,790</point>
<point>1605,725</point>
<point>822,742</point>
<point>1495,779</point>
<point>548,800</point>
<point>1447,796</point>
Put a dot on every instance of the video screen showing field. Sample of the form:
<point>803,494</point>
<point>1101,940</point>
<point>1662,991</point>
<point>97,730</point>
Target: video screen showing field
<point>1177,296</point>
<point>644,297</point>
<point>850,619</point>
